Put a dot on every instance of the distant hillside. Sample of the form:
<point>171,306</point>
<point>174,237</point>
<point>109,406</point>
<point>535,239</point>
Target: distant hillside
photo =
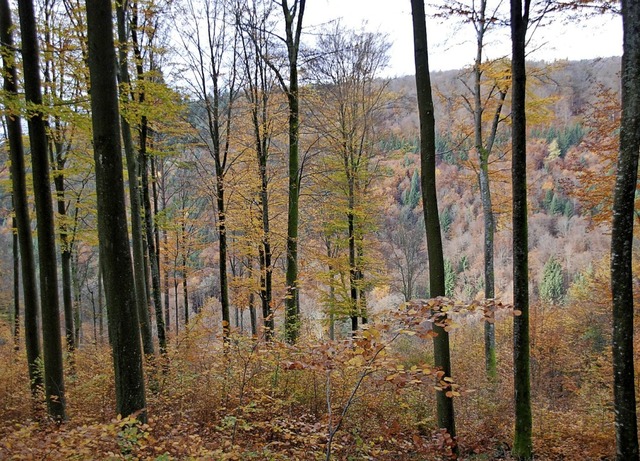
<point>564,95</point>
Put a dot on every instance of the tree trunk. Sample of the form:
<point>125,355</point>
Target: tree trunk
<point>77,300</point>
<point>222,246</point>
<point>112,221</point>
<point>292,297</point>
<point>362,298</point>
<point>144,158</point>
<point>51,338</point>
<point>177,305</point>
<point>134,193</point>
<point>66,248</point>
<point>185,297</point>
<point>522,445</point>
<point>485,191</point>
<point>353,289</point>
<point>165,276</point>
<point>165,241</point>
<point>100,305</point>
<point>58,160</point>
<point>94,313</point>
<point>16,281</point>
<point>429,199</point>
<point>151,249</point>
<point>20,201</point>
<point>265,256</point>
<point>622,239</point>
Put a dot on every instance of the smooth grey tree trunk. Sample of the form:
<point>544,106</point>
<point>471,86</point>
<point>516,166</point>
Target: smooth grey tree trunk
<point>292,14</point>
<point>626,422</point>
<point>16,282</point>
<point>430,204</point>
<point>522,444</point>
<point>51,337</point>
<point>115,256</point>
<point>21,203</point>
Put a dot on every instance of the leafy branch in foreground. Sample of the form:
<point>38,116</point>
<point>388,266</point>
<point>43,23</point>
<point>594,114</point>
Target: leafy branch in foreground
<point>369,354</point>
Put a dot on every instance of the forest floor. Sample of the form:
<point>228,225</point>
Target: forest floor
<point>252,401</point>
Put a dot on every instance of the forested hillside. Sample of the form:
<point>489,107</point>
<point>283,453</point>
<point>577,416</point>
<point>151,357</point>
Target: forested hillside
<point>240,243</point>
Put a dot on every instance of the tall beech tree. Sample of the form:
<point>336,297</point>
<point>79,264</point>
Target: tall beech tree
<point>51,338</point>
<point>483,147</point>
<point>488,86</point>
<point>293,16</point>
<point>430,205</point>
<point>20,200</point>
<point>522,444</point>
<point>622,239</point>
<point>353,97</point>
<point>115,258</point>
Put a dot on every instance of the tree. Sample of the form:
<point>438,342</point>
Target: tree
<point>51,338</point>
<point>552,284</point>
<point>622,239</point>
<point>405,234</point>
<point>483,149</point>
<point>20,200</point>
<point>347,70</point>
<point>430,205</point>
<point>488,87</point>
<point>115,258</point>
<point>293,16</point>
<point>522,445</point>
<point>216,86</point>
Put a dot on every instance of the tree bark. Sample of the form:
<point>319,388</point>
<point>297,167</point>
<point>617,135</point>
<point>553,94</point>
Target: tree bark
<point>430,203</point>
<point>16,282</point>
<point>66,245</point>
<point>292,297</point>
<point>112,221</point>
<point>185,293</point>
<point>522,445</point>
<point>21,203</point>
<point>51,337</point>
<point>626,423</point>
<point>151,248</point>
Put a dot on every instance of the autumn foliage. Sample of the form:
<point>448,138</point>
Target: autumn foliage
<point>269,402</point>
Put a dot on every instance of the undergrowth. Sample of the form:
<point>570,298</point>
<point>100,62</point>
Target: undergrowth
<point>372,398</point>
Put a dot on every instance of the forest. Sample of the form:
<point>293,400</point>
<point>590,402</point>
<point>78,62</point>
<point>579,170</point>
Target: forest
<point>229,235</point>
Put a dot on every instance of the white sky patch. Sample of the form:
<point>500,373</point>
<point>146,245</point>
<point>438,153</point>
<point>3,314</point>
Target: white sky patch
<point>452,44</point>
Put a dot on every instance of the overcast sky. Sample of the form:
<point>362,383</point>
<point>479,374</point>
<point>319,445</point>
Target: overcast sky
<point>452,46</point>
